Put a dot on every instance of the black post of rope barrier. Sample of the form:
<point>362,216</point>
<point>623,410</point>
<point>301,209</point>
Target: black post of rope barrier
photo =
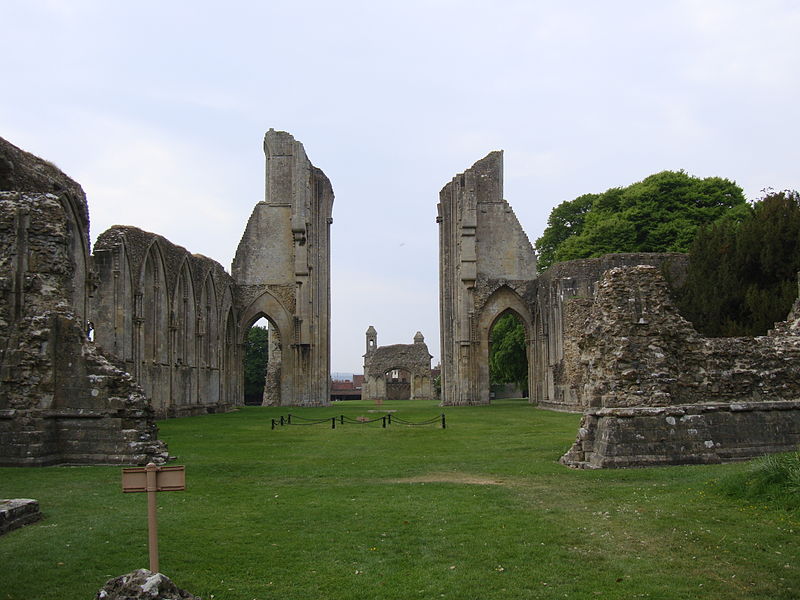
<point>333,422</point>
<point>390,418</point>
<point>273,423</point>
<point>444,425</point>
<point>281,420</point>
<point>341,419</point>
<point>289,419</point>
<point>384,422</point>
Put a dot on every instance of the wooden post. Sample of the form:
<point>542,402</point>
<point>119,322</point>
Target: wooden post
<point>152,518</point>
<point>153,479</point>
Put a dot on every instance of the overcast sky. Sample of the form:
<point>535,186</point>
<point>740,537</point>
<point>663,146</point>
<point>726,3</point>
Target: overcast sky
<point>159,110</point>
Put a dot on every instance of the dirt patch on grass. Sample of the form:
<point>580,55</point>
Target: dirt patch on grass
<point>452,477</point>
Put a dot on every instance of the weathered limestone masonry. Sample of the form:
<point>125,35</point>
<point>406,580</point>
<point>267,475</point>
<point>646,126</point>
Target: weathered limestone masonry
<point>18,512</point>
<point>61,399</point>
<point>660,393</point>
<point>282,273</point>
<point>564,296</point>
<point>169,316</point>
<point>486,268</point>
<point>414,359</point>
<point>603,337</point>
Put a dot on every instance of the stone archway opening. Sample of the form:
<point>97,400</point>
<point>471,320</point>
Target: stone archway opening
<point>254,362</point>
<point>398,383</point>
<point>261,363</point>
<point>508,357</point>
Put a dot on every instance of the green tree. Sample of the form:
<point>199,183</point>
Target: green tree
<point>508,360</point>
<point>255,363</point>
<point>661,213</point>
<point>742,274</point>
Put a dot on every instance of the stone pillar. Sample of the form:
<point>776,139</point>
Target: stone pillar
<point>282,268</point>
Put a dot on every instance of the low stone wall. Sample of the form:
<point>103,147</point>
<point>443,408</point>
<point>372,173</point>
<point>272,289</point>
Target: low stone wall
<point>18,512</point>
<point>684,434</point>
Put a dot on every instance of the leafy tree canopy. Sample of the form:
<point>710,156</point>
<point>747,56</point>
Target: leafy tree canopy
<point>508,361</point>
<point>662,213</point>
<point>742,274</point>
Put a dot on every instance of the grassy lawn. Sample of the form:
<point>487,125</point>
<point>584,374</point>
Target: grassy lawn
<point>479,510</point>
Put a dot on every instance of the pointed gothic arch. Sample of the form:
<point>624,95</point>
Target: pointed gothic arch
<point>504,300</point>
<point>283,357</point>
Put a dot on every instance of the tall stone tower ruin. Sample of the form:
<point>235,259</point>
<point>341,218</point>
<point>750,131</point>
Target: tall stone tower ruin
<point>282,272</point>
<point>486,267</point>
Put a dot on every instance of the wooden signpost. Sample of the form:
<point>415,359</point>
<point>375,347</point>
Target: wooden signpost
<point>152,479</point>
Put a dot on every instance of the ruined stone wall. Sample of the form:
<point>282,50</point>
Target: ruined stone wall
<point>562,298</point>
<point>706,433</point>
<point>604,337</point>
<point>23,172</point>
<point>282,270</point>
<point>660,393</point>
<point>165,314</point>
<point>61,399</point>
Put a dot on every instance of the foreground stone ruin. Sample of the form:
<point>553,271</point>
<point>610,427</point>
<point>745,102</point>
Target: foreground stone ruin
<point>603,337</point>
<point>94,348</point>
<point>62,400</point>
<point>660,393</point>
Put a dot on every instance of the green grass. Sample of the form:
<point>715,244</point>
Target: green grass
<point>774,479</point>
<point>479,510</point>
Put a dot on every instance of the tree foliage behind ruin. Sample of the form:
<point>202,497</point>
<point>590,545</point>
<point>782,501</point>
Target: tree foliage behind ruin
<point>508,361</point>
<point>255,363</point>
<point>743,271</point>
<point>661,213</point>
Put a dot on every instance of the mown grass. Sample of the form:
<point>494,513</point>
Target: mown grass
<point>481,510</point>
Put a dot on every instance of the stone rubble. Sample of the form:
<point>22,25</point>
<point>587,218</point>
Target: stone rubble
<point>143,585</point>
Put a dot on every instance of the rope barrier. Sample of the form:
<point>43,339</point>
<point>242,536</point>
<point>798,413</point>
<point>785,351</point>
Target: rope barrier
<point>345,420</point>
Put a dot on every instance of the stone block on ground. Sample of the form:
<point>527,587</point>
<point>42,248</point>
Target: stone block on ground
<point>17,512</point>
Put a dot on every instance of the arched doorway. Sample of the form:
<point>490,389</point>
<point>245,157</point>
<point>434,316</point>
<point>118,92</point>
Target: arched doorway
<point>279,365</point>
<point>508,357</point>
<point>503,301</point>
<point>262,359</point>
<point>398,383</point>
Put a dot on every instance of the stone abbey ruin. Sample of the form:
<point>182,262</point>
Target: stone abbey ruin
<point>94,347</point>
<point>603,337</point>
<point>397,371</point>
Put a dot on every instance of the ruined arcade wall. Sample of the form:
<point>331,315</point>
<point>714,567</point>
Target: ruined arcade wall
<point>169,316</point>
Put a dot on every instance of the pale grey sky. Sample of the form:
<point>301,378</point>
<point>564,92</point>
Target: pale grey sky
<point>159,109</point>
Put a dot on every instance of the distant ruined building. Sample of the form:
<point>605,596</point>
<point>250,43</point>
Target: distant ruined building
<point>94,348</point>
<point>603,337</point>
<point>398,371</point>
